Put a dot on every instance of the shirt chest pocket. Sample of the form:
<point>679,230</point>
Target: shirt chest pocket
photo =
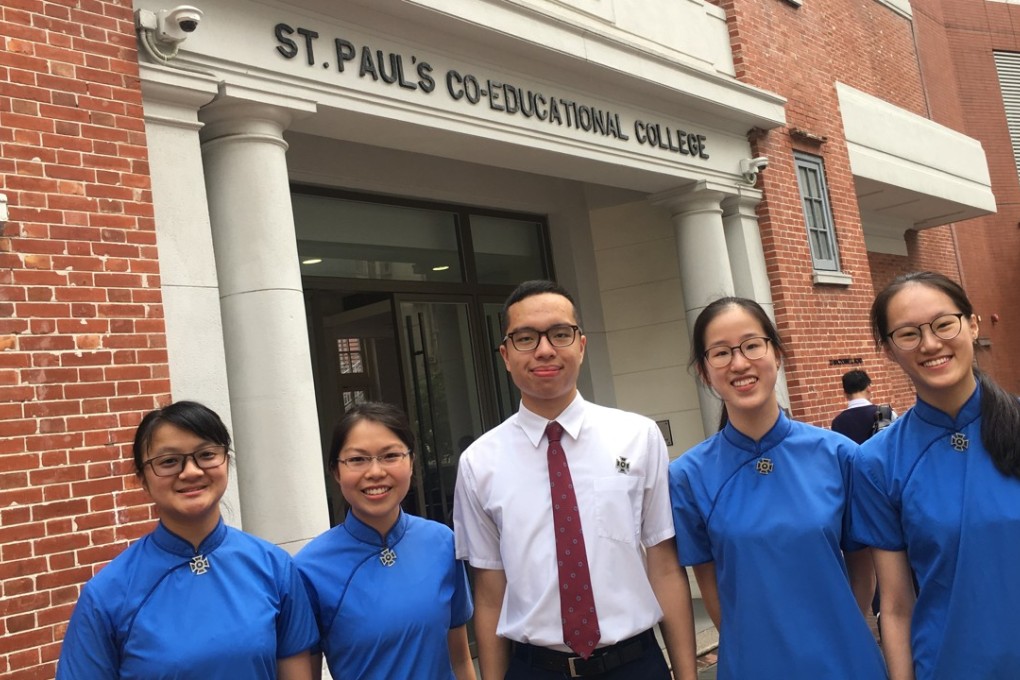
<point>618,507</point>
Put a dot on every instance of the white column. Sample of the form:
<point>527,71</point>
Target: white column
<point>747,260</point>
<point>187,268</point>
<point>272,395</point>
<point>705,273</point>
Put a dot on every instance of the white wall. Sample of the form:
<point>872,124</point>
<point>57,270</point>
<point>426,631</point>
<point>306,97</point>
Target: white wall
<point>642,301</point>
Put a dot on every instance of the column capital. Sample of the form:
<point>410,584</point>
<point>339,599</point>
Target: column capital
<point>701,195</point>
<point>744,202</point>
<point>239,110</point>
<point>173,97</point>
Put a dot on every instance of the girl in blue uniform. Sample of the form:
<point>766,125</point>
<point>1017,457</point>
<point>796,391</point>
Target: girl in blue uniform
<point>194,598</point>
<point>938,492</point>
<point>761,512</point>
<point>391,599</point>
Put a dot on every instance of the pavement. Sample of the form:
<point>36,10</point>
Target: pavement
<point>707,641</point>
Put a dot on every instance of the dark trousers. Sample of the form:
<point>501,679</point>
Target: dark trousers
<point>650,666</point>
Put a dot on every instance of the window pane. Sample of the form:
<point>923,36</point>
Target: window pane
<point>507,251</point>
<point>817,213</point>
<point>355,239</point>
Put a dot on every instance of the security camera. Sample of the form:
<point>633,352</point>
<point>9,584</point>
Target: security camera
<point>174,25</point>
<point>750,167</point>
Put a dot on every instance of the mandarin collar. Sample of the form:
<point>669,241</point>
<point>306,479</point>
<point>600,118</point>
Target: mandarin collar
<point>174,544</point>
<point>971,411</point>
<point>571,418</point>
<point>771,438</point>
<point>366,534</point>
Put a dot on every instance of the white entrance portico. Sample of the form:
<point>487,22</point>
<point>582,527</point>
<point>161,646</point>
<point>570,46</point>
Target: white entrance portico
<point>543,108</point>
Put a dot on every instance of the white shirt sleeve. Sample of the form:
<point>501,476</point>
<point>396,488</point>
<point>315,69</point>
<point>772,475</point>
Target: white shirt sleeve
<point>476,535</point>
<point>657,515</point>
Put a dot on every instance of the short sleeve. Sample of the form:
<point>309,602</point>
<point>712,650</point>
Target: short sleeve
<point>461,608</point>
<point>874,516</point>
<point>476,535</point>
<point>296,628</point>
<point>89,649</point>
<point>692,542</point>
<point>656,519</point>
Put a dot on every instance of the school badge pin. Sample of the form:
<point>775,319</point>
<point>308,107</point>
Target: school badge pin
<point>199,565</point>
<point>764,466</point>
<point>622,465</point>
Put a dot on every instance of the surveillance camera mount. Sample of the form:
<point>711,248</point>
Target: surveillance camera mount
<point>158,38</point>
<point>750,167</point>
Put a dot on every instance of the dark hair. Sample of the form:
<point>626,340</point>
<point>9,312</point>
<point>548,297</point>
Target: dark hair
<point>387,415</point>
<point>528,289</point>
<point>856,381</point>
<point>198,419</point>
<point>708,314</point>
<point>1000,411</point>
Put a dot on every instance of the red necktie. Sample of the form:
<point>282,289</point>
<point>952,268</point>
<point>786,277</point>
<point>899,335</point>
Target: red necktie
<point>577,602</point>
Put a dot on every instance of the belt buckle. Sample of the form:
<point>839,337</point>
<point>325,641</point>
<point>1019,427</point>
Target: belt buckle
<point>570,665</point>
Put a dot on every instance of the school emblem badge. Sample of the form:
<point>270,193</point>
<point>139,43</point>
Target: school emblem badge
<point>622,465</point>
<point>764,466</point>
<point>388,557</point>
<point>199,565</point>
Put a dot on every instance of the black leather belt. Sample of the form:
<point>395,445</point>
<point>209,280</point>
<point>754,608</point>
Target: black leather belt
<point>602,660</point>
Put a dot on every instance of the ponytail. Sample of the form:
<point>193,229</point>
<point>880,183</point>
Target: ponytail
<point>1000,425</point>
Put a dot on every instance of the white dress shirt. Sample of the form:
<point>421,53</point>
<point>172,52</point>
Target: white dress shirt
<point>502,517</point>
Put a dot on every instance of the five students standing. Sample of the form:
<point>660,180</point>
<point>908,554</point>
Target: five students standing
<point>567,514</point>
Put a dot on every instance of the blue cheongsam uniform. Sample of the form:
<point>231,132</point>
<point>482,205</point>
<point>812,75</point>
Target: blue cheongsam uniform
<point>385,607</point>
<point>161,610</point>
<point>772,515</point>
<point>927,485</point>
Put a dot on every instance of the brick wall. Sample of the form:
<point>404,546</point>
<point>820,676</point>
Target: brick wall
<point>956,41</point>
<point>801,52</point>
<point>82,346</point>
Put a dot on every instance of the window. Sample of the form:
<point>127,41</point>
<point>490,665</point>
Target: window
<point>353,380</point>
<point>347,237</point>
<point>814,196</point>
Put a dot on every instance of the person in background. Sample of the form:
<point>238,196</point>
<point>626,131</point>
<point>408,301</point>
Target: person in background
<point>938,492</point>
<point>857,421</point>
<point>563,512</point>
<point>761,511</point>
<point>194,598</point>
<point>390,598</point>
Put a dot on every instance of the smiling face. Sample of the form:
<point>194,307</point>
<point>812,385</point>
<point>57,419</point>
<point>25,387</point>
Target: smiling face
<point>747,387</point>
<point>941,370</point>
<point>374,493</point>
<point>188,502</point>
<point>546,375</point>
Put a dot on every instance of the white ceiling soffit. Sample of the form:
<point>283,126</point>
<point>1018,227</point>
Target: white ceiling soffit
<point>910,169</point>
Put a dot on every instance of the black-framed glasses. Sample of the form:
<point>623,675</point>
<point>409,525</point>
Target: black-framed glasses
<point>385,460</point>
<point>943,327</point>
<point>172,464</point>
<point>527,339</point>
<point>752,348</point>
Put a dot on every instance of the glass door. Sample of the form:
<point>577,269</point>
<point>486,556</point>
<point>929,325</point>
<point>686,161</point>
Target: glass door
<point>442,396</point>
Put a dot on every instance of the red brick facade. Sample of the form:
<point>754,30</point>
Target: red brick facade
<point>956,41</point>
<point>81,330</point>
<point>82,343</point>
<point>800,53</point>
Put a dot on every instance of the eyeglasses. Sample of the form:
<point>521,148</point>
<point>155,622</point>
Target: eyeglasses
<point>385,460</point>
<point>173,463</point>
<point>752,348</point>
<point>528,339</point>
<point>945,327</point>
